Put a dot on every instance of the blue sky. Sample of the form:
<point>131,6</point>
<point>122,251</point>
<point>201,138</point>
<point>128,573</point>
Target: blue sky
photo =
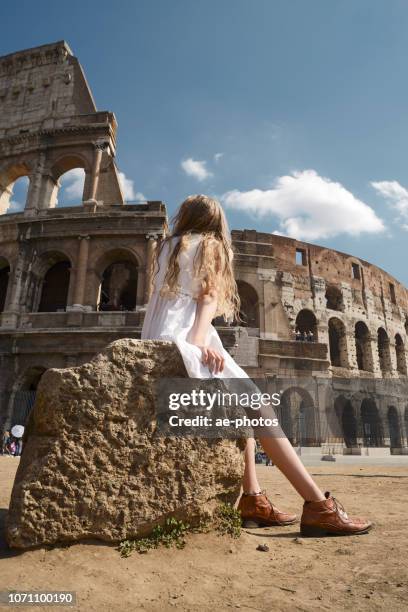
<point>293,112</point>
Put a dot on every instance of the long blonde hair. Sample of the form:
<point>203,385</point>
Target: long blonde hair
<point>213,260</point>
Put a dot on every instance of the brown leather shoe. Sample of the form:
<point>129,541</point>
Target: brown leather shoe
<point>328,517</point>
<point>258,511</point>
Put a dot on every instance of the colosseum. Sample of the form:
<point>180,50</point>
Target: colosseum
<point>326,328</point>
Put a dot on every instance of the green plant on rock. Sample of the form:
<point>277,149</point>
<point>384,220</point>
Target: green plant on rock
<point>227,521</point>
<point>171,533</point>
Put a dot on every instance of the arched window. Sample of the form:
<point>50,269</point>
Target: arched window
<point>71,188</point>
<point>306,322</point>
<point>14,184</point>
<point>363,347</point>
<point>400,354</point>
<point>118,289</point>
<point>345,414</point>
<point>297,417</point>
<point>4,280</point>
<point>18,198</point>
<point>55,285</point>
<point>249,310</point>
<point>337,343</point>
<point>334,298</point>
<point>349,424</point>
<point>394,427</point>
<point>65,184</point>
<point>371,424</point>
<point>384,350</point>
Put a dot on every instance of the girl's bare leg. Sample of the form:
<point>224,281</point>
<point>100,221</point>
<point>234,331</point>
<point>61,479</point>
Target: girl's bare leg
<point>278,449</point>
<point>284,456</point>
<point>250,482</point>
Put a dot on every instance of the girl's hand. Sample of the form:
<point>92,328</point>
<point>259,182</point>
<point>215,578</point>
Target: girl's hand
<point>212,359</point>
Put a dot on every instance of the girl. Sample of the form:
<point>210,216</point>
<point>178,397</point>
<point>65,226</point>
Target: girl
<point>193,283</point>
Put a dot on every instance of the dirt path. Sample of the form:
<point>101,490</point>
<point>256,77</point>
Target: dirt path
<point>218,573</point>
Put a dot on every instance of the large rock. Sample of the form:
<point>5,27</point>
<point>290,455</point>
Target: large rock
<point>94,465</point>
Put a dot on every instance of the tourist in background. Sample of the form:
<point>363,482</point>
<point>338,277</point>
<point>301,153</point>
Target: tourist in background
<point>19,447</point>
<point>12,446</point>
<point>5,443</point>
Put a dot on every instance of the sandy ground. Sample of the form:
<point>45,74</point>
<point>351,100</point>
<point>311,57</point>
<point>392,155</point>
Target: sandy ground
<point>215,572</point>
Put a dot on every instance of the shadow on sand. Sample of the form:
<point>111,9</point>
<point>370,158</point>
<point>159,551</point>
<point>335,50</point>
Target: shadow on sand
<point>7,552</point>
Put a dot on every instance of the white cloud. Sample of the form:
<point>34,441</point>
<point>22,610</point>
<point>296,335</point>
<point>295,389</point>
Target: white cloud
<point>308,206</point>
<point>72,182</point>
<point>128,188</point>
<point>15,207</point>
<point>218,156</point>
<point>140,197</point>
<point>195,168</point>
<point>396,195</point>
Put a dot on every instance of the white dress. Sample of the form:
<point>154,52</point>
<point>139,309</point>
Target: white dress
<point>172,319</point>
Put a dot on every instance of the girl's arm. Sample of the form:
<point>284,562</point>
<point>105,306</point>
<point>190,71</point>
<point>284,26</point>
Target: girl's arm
<point>205,313</point>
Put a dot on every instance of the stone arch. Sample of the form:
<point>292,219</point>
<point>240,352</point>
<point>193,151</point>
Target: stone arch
<point>334,298</point>
<point>384,354</point>
<point>249,308</point>
<point>298,417</point>
<point>36,276</point>
<point>53,272</point>
<point>338,343</point>
<point>394,427</point>
<point>4,281</point>
<point>347,419</point>
<point>306,322</point>
<point>8,180</point>
<point>400,355</point>
<point>372,427</point>
<point>19,195</point>
<point>363,347</point>
<point>118,272</point>
<point>328,260</point>
<point>67,162</point>
<point>61,166</point>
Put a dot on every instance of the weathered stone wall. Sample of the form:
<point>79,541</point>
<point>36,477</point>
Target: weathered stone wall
<point>41,84</point>
<point>49,125</point>
<point>360,330</point>
<point>375,298</point>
